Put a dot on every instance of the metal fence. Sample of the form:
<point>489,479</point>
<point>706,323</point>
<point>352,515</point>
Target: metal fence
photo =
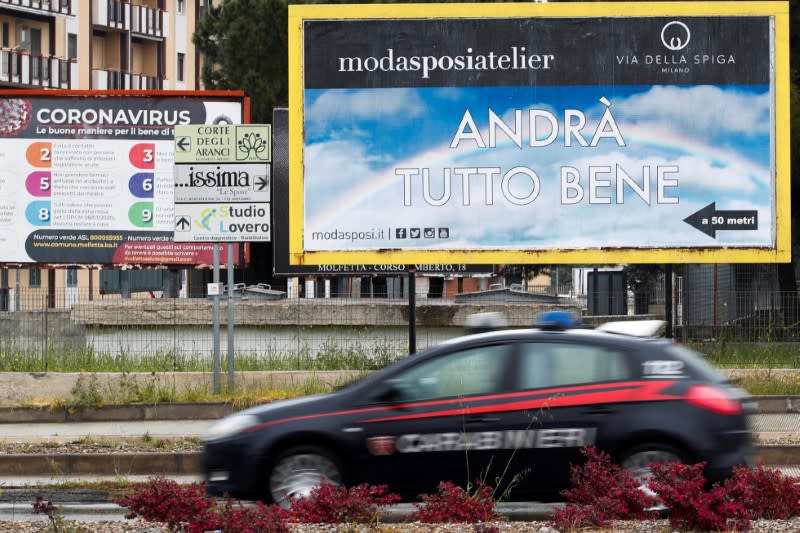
<point>66,329</point>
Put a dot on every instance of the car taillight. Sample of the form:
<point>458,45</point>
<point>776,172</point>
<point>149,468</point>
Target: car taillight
<point>714,399</point>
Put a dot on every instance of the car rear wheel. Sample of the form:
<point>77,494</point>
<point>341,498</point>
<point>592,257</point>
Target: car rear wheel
<point>638,459</point>
<point>299,470</point>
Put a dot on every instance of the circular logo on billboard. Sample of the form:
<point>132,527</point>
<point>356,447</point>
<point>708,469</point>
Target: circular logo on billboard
<point>675,35</point>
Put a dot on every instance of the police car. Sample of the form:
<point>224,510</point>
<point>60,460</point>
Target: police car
<point>511,407</point>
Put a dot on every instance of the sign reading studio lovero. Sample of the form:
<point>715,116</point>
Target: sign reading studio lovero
<point>555,133</point>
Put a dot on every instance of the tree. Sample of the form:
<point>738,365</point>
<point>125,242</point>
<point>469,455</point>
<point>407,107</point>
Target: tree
<point>245,45</point>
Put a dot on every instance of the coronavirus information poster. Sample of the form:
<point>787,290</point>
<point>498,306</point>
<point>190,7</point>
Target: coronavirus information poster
<point>88,178</point>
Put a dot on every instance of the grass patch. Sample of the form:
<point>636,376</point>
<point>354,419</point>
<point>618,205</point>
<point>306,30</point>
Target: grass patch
<point>750,355</point>
<point>359,356</point>
<point>770,384</point>
<point>105,445</point>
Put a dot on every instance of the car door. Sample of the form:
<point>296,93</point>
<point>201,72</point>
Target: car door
<point>428,432</point>
<point>566,394</point>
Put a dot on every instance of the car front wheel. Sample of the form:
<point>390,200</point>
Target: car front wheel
<point>638,459</point>
<point>299,470</point>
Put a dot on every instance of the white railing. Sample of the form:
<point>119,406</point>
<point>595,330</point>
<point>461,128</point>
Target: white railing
<point>57,7</point>
<point>23,68</point>
<point>112,14</point>
<point>108,79</point>
<point>148,21</point>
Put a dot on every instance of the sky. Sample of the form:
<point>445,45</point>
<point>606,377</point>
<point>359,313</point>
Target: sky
<point>713,143</point>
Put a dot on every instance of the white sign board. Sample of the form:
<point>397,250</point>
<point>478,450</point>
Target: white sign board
<point>222,222</point>
<point>222,182</point>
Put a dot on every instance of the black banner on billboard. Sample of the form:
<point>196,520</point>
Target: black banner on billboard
<point>535,51</point>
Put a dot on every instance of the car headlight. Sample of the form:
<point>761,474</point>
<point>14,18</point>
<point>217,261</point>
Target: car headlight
<point>229,425</point>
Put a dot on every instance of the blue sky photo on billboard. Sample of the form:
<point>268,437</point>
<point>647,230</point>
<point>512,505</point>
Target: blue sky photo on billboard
<point>705,138</point>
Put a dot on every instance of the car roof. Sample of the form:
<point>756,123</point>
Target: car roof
<point>572,334</point>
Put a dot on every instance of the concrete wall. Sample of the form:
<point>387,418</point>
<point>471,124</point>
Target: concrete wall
<point>184,327</point>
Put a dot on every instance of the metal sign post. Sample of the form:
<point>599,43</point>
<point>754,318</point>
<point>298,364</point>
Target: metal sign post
<point>215,318</point>
<point>230,316</point>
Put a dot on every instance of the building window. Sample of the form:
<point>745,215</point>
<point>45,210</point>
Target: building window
<point>24,40</point>
<point>72,277</point>
<point>181,6</point>
<point>72,46</point>
<point>34,277</point>
<point>5,35</point>
<point>181,62</point>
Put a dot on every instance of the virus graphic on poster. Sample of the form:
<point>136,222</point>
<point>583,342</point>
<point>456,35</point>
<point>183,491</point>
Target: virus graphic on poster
<point>15,115</point>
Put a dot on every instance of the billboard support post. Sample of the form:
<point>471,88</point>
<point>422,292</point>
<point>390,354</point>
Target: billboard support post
<point>216,363</point>
<point>412,310</point>
<point>230,317</point>
<point>668,300</point>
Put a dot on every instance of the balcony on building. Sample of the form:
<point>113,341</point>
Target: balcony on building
<point>23,69</point>
<point>149,21</point>
<point>41,7</point>
<point>109,79</point>
<point>137,18</point>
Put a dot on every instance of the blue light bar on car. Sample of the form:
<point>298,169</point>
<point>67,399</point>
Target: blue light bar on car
<point>556,320</point>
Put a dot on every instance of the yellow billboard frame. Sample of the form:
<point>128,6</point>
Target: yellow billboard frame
<point>778,10</point>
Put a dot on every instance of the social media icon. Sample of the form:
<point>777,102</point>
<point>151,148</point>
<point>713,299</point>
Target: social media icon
<point>414,233</point>
<point>430,233</point>
<point>444,233</point>
<point>400,233</point>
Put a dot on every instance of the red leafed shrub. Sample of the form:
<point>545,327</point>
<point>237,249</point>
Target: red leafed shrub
<point>233,516</point>
<point>453,504</point>
<point>681,489</point>
<point>765,493</point>
<point>164,500</point>
<point>186,508</point>
<point>335,504</point>
<point>601,491</point>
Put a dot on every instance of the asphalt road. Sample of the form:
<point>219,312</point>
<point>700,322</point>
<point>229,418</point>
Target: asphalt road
<point>17,492</point>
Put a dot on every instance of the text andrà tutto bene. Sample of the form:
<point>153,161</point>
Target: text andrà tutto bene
<point>478,183</point>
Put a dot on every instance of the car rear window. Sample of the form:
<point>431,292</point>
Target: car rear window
<point>553,364</point>
<point>696,362</point>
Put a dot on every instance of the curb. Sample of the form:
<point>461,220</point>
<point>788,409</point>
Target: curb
<point>214,411</point>
<point>116,413</point>
<point>191,463</point>
<point>777,404</point>
<point>118,464</point>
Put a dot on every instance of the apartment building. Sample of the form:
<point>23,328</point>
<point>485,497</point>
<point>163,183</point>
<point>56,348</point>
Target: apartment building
<point>99,44</point>
<point>89,45</point>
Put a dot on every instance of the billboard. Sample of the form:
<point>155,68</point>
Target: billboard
<point>87,177</point>
<point>642,132</point>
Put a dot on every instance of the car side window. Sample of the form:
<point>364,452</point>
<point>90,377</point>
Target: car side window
<point>553,364</point>
<point>469,372</point>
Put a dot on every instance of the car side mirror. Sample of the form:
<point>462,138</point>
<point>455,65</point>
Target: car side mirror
<point>389,391</point>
